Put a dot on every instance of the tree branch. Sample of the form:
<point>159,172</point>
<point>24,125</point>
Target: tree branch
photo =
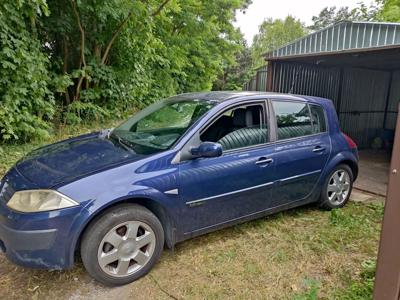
<point>82,58</point>
<point>65,68</point>
<point>114,36</point>
<point>78,20</point>
<point>160,8</point>
<point>122,25</point>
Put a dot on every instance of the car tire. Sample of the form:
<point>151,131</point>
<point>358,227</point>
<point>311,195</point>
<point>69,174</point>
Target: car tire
<point>337,188</point>
<point>122,244</point>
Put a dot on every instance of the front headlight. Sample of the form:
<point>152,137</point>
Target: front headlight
<point>39,200</point>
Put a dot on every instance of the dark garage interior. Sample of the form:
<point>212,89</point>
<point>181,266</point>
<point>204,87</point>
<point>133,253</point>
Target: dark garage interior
<point>357,66</point>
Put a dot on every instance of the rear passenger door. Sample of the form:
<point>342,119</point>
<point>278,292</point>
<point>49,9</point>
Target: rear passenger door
<point>301,151</point>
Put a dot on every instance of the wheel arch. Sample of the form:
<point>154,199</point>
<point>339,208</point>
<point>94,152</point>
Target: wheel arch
<point>353,166</point>
<point>346,158</point>
<point>155,207</point>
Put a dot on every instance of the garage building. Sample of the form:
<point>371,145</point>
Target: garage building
<point>355,64</point>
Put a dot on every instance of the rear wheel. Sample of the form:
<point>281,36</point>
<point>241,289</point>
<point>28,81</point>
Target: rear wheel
<point>122,245</point>
<point>337,189</point>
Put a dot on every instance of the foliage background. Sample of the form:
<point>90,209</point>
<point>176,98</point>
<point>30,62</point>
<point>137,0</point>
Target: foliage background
<point>68,62</point>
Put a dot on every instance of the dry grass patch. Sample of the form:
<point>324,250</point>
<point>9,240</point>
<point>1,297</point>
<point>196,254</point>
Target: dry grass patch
<point>301,254</point>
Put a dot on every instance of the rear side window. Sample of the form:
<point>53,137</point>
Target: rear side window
<point>317,119</point>
<point>292,118</point>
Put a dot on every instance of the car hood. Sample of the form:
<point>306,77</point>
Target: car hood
<point>74,158</point>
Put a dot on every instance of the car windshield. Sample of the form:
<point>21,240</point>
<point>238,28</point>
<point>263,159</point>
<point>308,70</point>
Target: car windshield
<point>159,126</point>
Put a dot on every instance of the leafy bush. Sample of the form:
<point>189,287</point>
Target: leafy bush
<point>26,100</point>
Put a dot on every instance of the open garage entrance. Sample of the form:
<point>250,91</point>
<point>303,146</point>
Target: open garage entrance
<point>357,66</point>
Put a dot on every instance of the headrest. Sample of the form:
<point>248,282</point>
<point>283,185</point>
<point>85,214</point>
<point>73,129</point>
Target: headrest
<point>242,118</point>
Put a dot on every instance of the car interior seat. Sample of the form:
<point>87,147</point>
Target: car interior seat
<point>247,129</point>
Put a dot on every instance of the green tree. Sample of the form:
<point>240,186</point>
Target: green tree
<point>121,52</point>
<point>273,34</point>
<point>102,49</point>
<point>332,15</point>
<point>199,37</point>
<point>236,71</point>
<point>390,11</point>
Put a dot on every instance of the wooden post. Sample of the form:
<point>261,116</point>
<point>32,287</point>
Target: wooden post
<point>387,281</point>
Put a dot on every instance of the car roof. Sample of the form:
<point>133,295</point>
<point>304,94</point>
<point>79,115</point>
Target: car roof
<point>221,96</point>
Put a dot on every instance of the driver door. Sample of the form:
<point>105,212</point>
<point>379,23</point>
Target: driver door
<point>239,183</point>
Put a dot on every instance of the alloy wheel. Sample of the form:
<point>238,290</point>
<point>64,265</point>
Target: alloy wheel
<point>339,187</point>
<point>126,248</point>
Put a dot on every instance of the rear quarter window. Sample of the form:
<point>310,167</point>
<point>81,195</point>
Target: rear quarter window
<point>317,118</point>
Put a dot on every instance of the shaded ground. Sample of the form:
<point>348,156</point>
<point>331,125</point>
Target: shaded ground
<point>374,171</point>
<point>284,256</point>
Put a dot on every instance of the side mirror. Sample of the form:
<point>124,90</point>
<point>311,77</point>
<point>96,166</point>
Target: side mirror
<point>207,149</point>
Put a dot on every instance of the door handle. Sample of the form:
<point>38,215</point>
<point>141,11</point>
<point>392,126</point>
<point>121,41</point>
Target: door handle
<point>264,160</point>
<point>318,149</point>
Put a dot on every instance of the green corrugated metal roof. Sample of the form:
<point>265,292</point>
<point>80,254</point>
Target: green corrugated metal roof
<point>342,36</point>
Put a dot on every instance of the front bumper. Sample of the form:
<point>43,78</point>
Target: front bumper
<point>40,240</point>
<point>28,240</point>
<point>37,240</point>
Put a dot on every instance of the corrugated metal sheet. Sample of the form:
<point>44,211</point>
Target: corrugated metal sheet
<point>261,79</point>
<point>258,82</point>
<point>394,100</point>
<point>305,79</point>
<point>362,104</point>
<point>343,36</point>
<point>360,101</point>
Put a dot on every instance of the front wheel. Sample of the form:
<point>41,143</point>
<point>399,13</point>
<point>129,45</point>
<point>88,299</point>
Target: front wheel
<point>122,245</point>
<point>337,189</point>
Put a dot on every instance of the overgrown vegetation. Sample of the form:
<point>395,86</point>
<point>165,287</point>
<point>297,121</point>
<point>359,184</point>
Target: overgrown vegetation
<point>27,101</point>
<point>73,61</point>
<point>68,61</point>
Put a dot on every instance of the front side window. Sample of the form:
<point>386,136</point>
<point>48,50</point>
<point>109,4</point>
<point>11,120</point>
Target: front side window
<point>240,127</point>
<point>160,125</point>
<point>317,118</point>
<point>292,119</point>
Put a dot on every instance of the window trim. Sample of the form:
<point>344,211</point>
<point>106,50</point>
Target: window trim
<point>275,124</point>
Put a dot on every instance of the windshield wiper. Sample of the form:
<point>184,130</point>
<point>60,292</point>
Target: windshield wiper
<point>125,144</point>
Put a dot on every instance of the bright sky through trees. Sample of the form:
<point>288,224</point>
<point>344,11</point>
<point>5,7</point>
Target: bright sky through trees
<point>301,9</point>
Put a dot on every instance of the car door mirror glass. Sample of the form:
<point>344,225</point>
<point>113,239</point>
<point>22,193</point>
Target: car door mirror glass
<point>207,149</point>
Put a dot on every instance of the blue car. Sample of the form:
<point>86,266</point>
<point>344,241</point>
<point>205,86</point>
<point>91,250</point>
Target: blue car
<point>182,167</point>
